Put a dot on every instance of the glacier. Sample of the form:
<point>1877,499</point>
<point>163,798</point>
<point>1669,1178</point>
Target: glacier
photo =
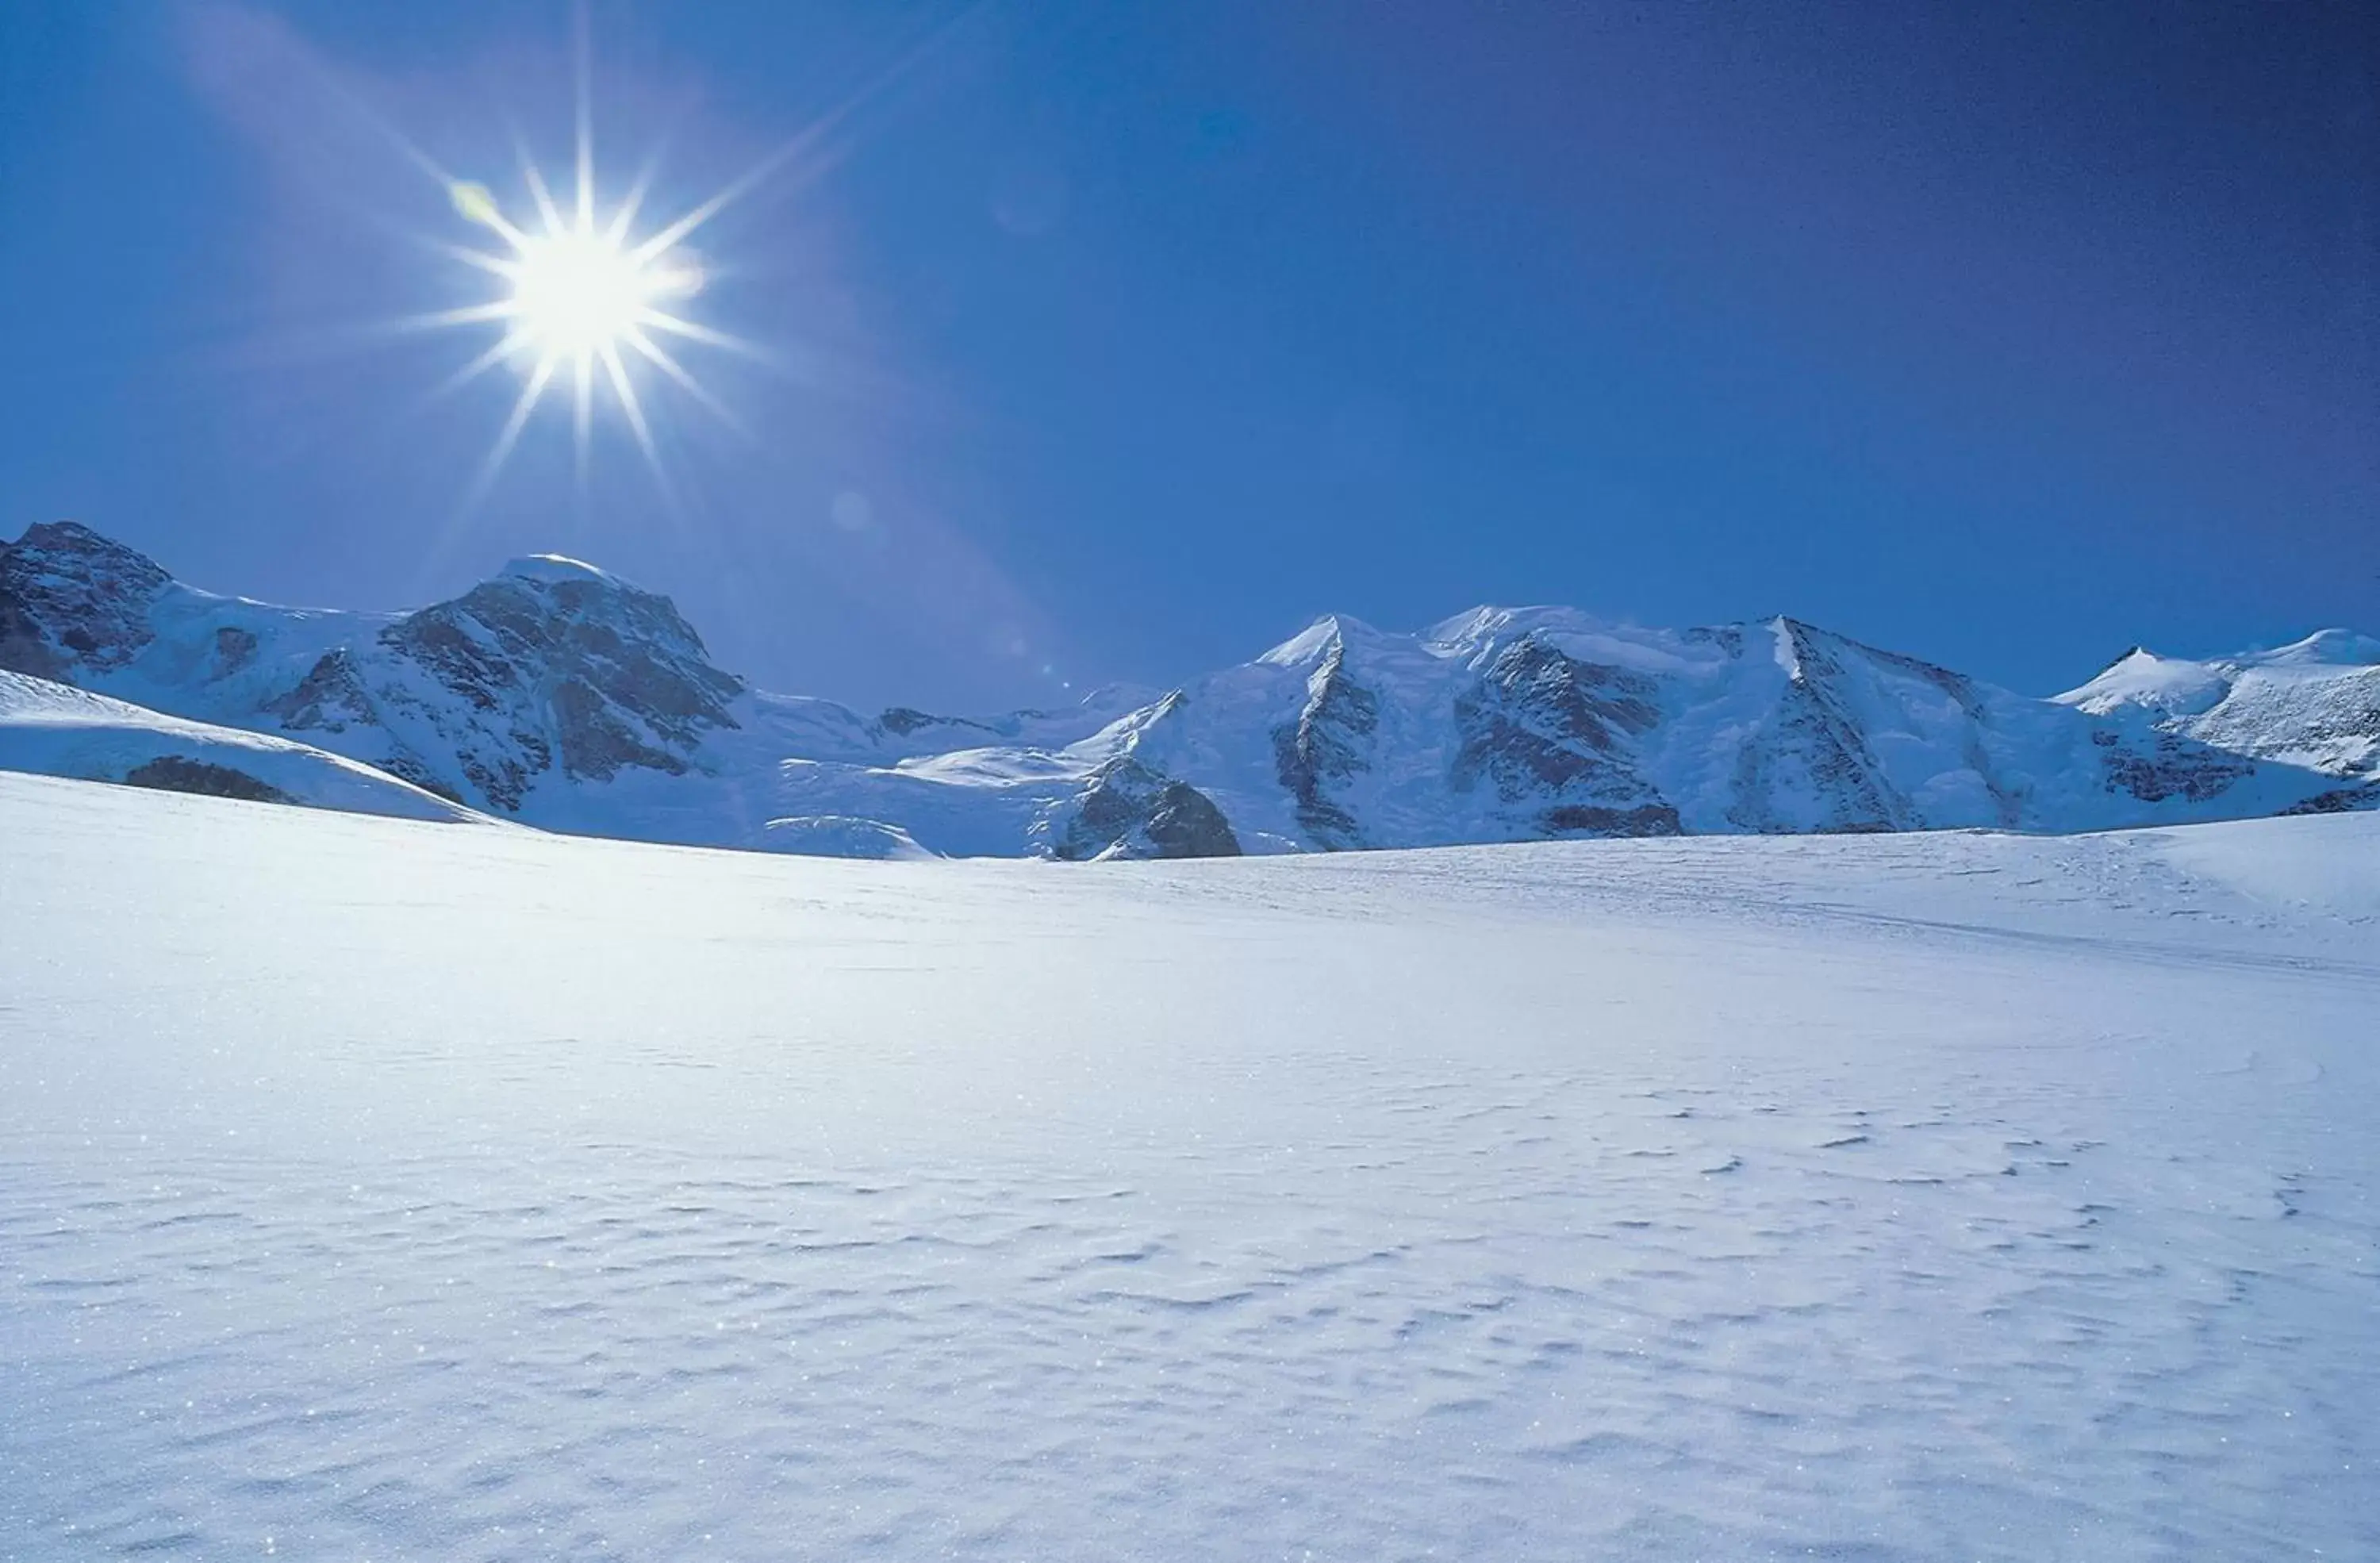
<point>378,1188</point>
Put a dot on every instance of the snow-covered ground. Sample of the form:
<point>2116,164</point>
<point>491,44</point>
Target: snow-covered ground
<point>377,1190</point>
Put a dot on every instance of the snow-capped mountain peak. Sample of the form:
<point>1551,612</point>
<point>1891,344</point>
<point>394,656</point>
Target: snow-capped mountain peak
<point>1330,635</point>
<point>558,694</point>
<point>69,595</point>
<point>2315,702</point>
<point>550,672</point>
<point>2140,677</point>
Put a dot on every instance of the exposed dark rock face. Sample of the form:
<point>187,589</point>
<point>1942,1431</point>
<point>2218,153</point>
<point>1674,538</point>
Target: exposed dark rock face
<point>1583,819</point>
<point>1185,823</point>
<point>70,598</point>
<point>1814,747</point>
<point>23,648</point>
<point>1542,724</point>
<point>1726,637</point>
<point>1808,750</point>
<point>1326,744</point>
<point>596,740</point>
<point>173,774</point>
<point>901,722</point>
<point>1132,811</point>
<point>2172,768</point>
<point>329,698</point>
<point>2342,800</point>
<point>405,767</point>
<point>530,675</point>
<point>234,649</point>
<point>612,675</point>
<point>504,778</point>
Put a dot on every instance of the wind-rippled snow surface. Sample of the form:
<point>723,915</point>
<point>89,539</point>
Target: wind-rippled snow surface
<point>392,1191</point>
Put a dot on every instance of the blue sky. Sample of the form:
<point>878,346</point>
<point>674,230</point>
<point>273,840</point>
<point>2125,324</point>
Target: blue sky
<point>1117,341</point>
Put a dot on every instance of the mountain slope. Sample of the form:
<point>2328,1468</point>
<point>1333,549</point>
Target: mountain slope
<point>557,695</point>
<point>2314,703</point>
<point>1508,724</point>
<point>553,693</point>
<point>58,730</point>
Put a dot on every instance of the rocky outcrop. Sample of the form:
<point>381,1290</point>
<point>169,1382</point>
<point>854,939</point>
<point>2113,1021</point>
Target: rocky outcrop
<point>72,599</point>
<point>329,698</point>
<point>563,669</point>
<point>174,773</point>
<point>1326,747</point>
<point>1128,810</point>
<point>1554,735</point>
<point>1812,751</point>
<point>903,723</point>
<point>2339,800</point>
<point>2164,765</point>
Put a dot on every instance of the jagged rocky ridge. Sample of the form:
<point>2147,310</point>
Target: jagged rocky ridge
<point>556,695</point>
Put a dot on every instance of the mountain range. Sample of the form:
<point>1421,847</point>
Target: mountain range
<point>557,695</point>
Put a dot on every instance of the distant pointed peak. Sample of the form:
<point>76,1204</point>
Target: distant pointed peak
<point>2143,677</point>
<point>1472,625</point>
<point>1475,628</point>
<point>1803,633</point>
<point>1317,640</point>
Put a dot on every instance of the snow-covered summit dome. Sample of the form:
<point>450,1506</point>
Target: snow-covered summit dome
<point>557,569</point>
<point>2330,648</point>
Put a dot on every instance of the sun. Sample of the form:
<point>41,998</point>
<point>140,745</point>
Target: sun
<point>576,294</point>
<point>579,290</point>
<point>583,302</point>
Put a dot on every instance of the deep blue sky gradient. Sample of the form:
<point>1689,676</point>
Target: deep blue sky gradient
<point>1131,337</point>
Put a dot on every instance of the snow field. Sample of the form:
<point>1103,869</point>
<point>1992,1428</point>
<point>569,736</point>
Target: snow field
<point>389,1190</point>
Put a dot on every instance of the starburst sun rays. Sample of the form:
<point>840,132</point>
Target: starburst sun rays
<point>586,304</point>
<point>583,300</point>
